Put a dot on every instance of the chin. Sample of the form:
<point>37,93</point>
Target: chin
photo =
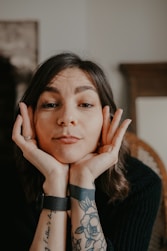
<point>72,155</point>
<point>69,159</point>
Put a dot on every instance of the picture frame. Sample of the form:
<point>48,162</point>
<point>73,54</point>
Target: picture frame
<point>19,42</point>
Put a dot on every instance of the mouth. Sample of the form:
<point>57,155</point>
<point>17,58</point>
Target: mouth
<point>67,139</point>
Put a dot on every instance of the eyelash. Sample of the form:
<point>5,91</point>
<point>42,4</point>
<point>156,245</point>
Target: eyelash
<point>86,105</point>
<point>50,105</point>
<point>56,105</point>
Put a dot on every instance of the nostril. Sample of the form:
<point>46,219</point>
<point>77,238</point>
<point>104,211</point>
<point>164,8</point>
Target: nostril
<point>69,122</point>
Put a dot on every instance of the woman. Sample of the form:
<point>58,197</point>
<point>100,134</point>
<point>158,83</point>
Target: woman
<point>81,188</point>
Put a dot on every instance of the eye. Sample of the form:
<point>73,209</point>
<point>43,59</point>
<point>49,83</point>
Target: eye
<point>86,105</point>
<point>50,105</point>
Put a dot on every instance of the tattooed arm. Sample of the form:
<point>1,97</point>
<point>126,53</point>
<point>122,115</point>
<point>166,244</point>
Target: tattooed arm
<point>87,233</point>
<point>86,230</point>
<point>51,229</point>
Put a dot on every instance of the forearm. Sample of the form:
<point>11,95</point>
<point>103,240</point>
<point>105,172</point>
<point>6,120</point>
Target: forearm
<point>51,231</point>
<point>86,228</point>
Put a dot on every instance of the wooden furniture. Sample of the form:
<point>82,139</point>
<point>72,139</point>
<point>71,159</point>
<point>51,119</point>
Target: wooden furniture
<point>143,80</point>
<point>144,152</point>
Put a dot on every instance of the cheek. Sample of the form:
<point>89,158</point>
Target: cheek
<point>41,127</point>
<point>95,128</point>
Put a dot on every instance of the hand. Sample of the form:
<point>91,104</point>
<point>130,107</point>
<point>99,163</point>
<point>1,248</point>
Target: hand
<point>56,173</point>
<point>84,172</point>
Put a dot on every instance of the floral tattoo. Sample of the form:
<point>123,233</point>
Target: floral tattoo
<point>90,227</point>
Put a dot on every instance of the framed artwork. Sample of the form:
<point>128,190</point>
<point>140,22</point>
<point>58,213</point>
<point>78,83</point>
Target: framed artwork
<point>18,58</point>
<point>19,42</point>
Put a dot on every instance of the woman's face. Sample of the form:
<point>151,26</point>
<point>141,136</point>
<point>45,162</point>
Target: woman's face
<point>68,118</point>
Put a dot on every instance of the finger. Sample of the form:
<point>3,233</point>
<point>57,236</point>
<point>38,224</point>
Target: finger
<point>119,134</point>
<point>16,132</point>
<point>114,125</point>
<point>116,141</point>
<point>106,123</point>
<point>26,126</point>
<point>31,117</point>
<point>109,153</point>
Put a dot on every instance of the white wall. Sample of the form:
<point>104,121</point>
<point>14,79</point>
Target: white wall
<point>108,31</point>
<point>154,117</point>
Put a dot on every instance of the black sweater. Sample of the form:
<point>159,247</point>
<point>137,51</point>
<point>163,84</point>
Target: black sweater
<point>127,225</point>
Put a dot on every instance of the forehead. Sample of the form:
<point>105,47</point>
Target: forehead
<point>71,81</point>
<point>74,76</point>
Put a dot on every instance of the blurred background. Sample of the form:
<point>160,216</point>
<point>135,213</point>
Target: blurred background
<point>111,32</point>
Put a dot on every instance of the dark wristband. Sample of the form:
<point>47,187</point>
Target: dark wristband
<point>80,193</point>
<point>56,203</point>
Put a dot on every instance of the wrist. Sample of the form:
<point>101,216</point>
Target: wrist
<point>81,178</point>
<point>55,188</point>
<point>80,193</point>
<point>55,203</point>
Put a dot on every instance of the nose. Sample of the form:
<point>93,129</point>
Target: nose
<point>66,120</point>
<point>67,114</point>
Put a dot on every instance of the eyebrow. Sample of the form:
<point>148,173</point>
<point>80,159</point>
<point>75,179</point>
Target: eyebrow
<point>77,89</point>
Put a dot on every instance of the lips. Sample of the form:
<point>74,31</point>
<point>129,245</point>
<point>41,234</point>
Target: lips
<point>67,139</point>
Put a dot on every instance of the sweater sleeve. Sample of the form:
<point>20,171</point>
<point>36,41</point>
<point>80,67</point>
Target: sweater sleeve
<point>129,223</point>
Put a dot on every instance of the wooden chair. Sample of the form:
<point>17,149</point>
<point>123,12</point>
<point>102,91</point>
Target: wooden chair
<point>144,152</point>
